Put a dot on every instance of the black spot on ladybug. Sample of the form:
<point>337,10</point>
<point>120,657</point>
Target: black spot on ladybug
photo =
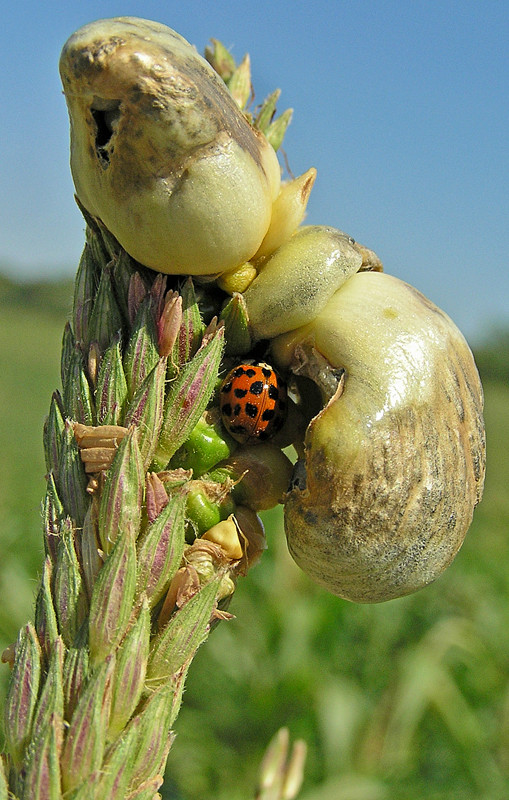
<point>240,392</point>
<point>251,410</point>
<point>227,410</point>
<point>256,387</point>
<point>237,409</point>
<point>237,429</point>
<point>268,414</point>
<point>273,392</point>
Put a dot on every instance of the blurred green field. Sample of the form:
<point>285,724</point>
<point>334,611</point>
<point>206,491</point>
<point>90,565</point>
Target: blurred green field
<point>407,700</point>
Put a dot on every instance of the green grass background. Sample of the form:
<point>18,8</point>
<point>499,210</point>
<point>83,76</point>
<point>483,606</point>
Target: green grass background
<point>405,700</point>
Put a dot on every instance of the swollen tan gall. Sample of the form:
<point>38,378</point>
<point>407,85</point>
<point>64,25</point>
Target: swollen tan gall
<point>159,147</point>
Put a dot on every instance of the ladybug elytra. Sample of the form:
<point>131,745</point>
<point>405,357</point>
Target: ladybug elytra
<point>252,402</point>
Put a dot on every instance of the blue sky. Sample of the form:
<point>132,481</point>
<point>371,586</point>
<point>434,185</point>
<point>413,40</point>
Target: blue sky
<point>403,108</point>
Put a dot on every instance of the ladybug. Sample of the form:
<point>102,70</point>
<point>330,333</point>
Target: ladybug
<point>253,403</point>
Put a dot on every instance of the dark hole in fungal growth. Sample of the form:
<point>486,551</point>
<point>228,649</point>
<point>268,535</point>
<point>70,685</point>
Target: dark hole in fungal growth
<point>105,114</point>
<point>299,477</point>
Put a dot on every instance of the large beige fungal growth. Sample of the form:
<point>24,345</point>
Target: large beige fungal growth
<point>161,153</point>
<point>394,462</point>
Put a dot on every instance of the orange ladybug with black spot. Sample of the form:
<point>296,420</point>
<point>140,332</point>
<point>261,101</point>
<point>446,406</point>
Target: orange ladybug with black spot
<point>253,402</point>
